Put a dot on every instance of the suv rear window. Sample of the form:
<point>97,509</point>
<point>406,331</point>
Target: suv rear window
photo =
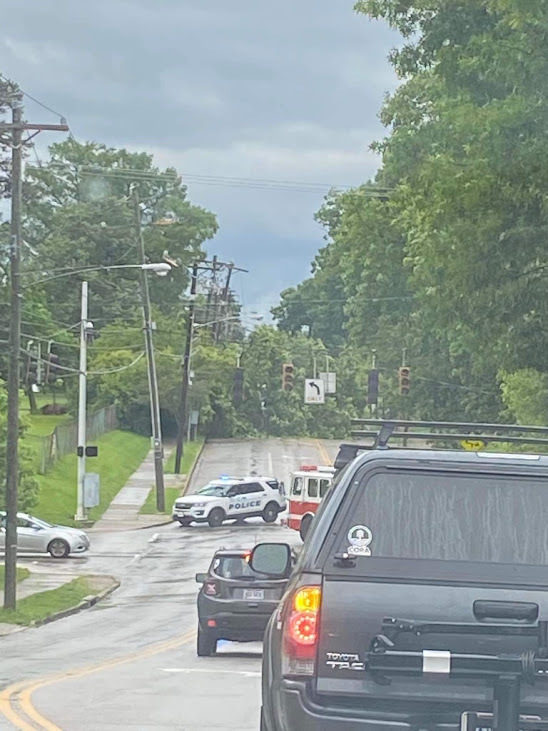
<point>234,567</point>
<point>452,517</point>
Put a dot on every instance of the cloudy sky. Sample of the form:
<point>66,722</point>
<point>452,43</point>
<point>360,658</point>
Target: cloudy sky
<point>279,91</point>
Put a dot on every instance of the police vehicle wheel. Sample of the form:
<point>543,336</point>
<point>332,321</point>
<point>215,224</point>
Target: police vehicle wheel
<point>305,527</point>
<point>270,513</point>
<point>205,644</point>
<point>216,517</point>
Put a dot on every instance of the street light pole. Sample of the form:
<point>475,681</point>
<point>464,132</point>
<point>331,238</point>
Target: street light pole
<point>82,405</point>
<point>12,437</point>
<point>152,377</point>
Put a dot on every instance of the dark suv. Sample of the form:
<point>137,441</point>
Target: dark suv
<point>419,601</point>
<point>234,602</point>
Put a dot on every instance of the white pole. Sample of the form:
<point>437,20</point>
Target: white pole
<point>80,512</point>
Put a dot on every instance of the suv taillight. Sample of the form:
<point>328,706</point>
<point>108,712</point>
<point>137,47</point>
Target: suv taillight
<point>300,628</point>
<point>211,588</point>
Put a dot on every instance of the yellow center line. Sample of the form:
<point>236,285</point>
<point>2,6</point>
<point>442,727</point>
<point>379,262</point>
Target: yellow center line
<point>18,697</point>
<point>328,462</point>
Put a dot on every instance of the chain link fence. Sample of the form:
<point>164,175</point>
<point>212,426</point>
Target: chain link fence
<point>64,439</point>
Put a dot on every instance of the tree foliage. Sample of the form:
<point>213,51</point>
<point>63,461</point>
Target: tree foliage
<point>460,243</point>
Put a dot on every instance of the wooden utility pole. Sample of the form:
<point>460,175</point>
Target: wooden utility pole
<point>151,362</point>
<point>16,127</point>
<point>183,405</point>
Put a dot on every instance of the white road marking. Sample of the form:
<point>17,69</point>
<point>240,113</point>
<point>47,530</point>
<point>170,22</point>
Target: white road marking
<point>154,538</point>
<point>215,671</point>
<point>137,557</point>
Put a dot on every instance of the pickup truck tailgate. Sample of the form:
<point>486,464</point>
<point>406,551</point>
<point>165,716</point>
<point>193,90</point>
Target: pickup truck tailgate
<point>344,645</point>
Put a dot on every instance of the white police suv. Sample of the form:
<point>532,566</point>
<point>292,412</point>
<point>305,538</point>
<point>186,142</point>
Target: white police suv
<point>232,498</point>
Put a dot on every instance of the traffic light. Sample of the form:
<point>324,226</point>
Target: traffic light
<point>405,380</point>
<point>288,376</point>
<point>373,387</point>
<point>52,368</point>
<point>238,389</point>
<point>31,370</point>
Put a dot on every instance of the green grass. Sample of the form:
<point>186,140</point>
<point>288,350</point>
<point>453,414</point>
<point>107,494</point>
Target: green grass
<point>171,494</point>
<point>43,426</point>
<point>39,606</point>
<point>189,457</point>
<point>21,574</point>
<point>120,454</point>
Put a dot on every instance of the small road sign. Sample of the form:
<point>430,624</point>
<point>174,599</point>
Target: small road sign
<point>314,391</point>
<point>330,381</point>
<point>473,445</point>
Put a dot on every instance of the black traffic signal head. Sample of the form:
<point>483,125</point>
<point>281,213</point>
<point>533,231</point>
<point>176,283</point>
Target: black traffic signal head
<point>373,387</point>
<point>52,368</point>
<point>31,370</point>
<point>405,380</point>
<point>288,376</point>
<point>238,390</point>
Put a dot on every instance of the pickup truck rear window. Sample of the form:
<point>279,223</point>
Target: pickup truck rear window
<point>450,517</point>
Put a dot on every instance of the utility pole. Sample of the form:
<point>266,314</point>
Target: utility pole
<point>183,406</point>
<point>16,127</point>
<point>82,405</point>
<point>219,327</point>
<point>12,440</point>
<point>152,377</point>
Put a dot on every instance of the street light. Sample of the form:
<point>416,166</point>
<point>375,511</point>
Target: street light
<point>161,269</point>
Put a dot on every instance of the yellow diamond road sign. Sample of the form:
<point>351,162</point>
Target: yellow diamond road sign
<point>473,445</point>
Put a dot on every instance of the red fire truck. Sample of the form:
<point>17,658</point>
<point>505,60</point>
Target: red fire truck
<point>308,486</point>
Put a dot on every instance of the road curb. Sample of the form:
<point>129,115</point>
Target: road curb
<point>193,469</point>
<point>86,603</point>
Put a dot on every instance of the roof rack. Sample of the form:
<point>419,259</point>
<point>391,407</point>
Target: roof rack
<point>382,431</point>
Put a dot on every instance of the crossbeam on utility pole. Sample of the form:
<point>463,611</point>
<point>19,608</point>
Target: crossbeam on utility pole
<point>17,127</point>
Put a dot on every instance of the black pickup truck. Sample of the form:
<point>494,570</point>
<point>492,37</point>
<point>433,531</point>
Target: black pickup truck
<point>419,601</point>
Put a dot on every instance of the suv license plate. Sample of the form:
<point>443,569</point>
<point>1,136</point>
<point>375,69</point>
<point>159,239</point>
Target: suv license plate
<point>253,594</point>
<point>484,722</point>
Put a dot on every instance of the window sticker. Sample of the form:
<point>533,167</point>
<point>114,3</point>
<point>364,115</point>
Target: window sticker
<point>359,537</point>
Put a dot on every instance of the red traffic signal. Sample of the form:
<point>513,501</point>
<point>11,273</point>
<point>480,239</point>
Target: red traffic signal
<point>405,380</point>
<point>288,376</point>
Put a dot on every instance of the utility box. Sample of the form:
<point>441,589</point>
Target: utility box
<point>92,483</point>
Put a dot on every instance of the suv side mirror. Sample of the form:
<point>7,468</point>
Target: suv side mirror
<point>272,559</point>
<point>201,578</point>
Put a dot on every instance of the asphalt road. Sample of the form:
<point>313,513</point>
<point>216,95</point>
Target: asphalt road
<point>130,662</point>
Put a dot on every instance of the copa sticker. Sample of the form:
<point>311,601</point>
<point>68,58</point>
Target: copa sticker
<point>360,538</point>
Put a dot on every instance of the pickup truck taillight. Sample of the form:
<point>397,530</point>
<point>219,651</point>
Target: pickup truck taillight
<point>300,629</point>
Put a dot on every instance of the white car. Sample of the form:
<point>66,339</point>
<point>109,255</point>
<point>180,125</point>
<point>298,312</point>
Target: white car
<point>37,536</point>
<point>230,498</point>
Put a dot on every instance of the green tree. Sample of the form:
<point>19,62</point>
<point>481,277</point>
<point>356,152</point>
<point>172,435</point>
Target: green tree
<point>28,487</point>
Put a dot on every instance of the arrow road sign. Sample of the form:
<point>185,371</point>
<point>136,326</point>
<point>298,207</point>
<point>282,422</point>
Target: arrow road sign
<point>314,391</point>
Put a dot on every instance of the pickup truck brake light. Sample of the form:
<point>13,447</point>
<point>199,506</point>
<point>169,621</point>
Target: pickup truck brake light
<point>300,630</point>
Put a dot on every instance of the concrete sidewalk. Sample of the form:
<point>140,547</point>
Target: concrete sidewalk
<point>123,512</point>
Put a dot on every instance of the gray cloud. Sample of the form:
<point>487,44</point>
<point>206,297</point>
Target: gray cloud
<point>287,90</point>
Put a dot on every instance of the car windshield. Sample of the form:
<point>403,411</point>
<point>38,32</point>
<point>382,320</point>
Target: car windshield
<point>216,489</point>
<point>235,567</point>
